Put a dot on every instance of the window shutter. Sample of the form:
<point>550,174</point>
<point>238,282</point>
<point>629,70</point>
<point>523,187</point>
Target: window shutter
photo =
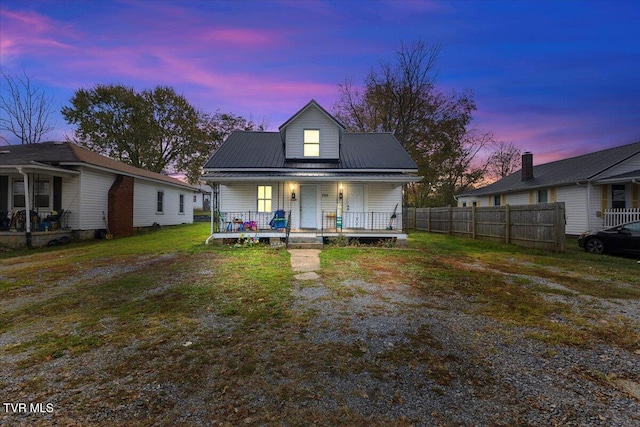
<point>604,198</point>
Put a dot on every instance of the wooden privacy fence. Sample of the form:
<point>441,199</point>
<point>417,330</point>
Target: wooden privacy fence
<point>540,226</point>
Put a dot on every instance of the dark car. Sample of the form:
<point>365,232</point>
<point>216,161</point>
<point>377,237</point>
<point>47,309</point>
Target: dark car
<point>623,238</point>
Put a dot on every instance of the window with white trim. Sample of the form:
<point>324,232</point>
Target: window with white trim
<point>264,198</point>
<point>312,142</point>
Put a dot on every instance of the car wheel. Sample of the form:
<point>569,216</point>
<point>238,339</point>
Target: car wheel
<point>595,246</point>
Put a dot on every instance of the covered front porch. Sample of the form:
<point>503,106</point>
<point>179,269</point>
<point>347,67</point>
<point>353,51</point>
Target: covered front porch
<point>350,225</point>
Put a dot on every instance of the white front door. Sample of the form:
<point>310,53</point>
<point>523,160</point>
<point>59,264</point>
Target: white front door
<point>308,206</point>
<point>355,216</point>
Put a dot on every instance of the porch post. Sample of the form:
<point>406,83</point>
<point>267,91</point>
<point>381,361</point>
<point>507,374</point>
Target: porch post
<point>27,207</point>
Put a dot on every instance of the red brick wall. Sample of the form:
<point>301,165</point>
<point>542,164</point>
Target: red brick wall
<point>121,206</point>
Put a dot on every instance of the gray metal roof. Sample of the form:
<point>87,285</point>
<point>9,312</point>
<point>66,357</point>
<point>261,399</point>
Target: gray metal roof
<point>587,167</point>
<point>265,150</point>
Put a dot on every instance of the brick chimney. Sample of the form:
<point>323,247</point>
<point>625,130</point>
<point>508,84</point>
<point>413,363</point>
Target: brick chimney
<point>527,166</point>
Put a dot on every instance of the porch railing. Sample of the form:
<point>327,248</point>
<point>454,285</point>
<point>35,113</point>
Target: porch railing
<point>361,221</point>
<point>248,221</point>
<point>614,217</point>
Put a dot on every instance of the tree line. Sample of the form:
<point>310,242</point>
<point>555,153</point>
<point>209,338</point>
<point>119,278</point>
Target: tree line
<point>159,130</point>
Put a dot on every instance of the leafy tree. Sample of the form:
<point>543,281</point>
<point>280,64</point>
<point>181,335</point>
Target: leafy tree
<point>157,129</point>
<point>26,109</point>
<point>401,97</point>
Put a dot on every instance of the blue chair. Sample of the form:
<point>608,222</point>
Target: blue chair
<point>279,220</point>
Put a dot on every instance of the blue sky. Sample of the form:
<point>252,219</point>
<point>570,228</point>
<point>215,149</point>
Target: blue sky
<point>558,78</point>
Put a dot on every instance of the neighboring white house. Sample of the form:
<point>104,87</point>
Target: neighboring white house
<point>325,180</point>
<point>74,190</point>
<point>596,188</point>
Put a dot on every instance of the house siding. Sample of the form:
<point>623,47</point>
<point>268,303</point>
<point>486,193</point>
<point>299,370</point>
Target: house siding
<point>145,205</point>
<point>71,201</point>
<point>312,119</point>
<point>574,199</point>
<point>383,197</point>
<point>94,187</point>
<point>518,198</point>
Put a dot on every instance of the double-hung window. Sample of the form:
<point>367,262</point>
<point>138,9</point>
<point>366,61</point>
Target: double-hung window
<point>312,142</point>
<point>264,198</point>
<point>160,202</point>
<point>41,197</point>
<point>181,204</point>
<point>543,196</point>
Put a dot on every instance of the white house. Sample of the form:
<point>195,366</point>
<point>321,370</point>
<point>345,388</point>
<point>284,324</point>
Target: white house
<point>71,190</point>
<point>598,189</point>
<point>323,180</point>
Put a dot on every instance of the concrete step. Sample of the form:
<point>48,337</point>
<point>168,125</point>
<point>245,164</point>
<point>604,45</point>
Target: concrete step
<point>305,245</point>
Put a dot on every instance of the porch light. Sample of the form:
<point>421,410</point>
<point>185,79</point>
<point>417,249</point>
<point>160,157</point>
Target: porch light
<point>340,192</point>
<point>293,192</point>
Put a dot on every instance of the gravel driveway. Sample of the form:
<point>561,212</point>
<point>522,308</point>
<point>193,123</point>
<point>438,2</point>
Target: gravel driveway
<point>360,353</point>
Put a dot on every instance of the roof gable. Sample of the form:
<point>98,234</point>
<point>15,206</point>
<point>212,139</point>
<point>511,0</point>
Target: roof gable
<point>311,104</point>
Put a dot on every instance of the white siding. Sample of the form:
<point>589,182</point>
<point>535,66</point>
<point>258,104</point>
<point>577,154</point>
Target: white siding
<point>312,118</point>
<point>575,203</point>
<point>383,197</point>
<point>94,195</point>
<point>70,198</point>
<point>517,199</point>
<point>145,195</point>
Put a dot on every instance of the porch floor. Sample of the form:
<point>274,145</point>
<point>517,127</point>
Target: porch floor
<point>301,233</point>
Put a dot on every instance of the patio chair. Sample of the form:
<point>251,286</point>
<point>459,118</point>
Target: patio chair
<point>279,220</point>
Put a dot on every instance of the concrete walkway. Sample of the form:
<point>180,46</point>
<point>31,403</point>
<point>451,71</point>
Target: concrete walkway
<point>305,262</point>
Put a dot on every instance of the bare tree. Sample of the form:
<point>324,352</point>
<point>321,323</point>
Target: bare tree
<point>504,160</point>
<point>26,109</point>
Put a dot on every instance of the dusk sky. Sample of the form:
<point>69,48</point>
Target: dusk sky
<point>558,78</point>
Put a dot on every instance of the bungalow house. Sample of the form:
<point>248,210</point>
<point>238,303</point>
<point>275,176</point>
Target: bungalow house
<point>599,189</point>
<point>312,179</point>
<point>53,189</point>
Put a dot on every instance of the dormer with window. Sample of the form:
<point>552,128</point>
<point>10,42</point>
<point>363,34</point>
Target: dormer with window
<point>312,135</point>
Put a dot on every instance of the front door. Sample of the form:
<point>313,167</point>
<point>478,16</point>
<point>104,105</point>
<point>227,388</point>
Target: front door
<point>355,216</point>
<point>308,206</point>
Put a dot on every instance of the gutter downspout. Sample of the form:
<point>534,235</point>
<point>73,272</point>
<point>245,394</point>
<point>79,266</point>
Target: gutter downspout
<point>26,207</point>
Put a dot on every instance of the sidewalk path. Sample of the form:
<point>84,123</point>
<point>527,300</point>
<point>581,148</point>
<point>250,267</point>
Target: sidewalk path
<point>305,262</point>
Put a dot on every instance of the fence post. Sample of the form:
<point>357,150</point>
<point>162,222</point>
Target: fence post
<point>450,220</point>
<point>507,224</point>
<point>473,222</point>
<point>428,220</point>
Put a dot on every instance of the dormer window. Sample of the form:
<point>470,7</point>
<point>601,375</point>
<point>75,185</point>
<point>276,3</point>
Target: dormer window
<point>312,142</point>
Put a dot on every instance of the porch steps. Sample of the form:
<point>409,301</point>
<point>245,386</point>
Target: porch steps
<point>300,242</point>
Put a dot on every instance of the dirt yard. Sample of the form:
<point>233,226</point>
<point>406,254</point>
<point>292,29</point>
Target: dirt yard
<point>425,336</point>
